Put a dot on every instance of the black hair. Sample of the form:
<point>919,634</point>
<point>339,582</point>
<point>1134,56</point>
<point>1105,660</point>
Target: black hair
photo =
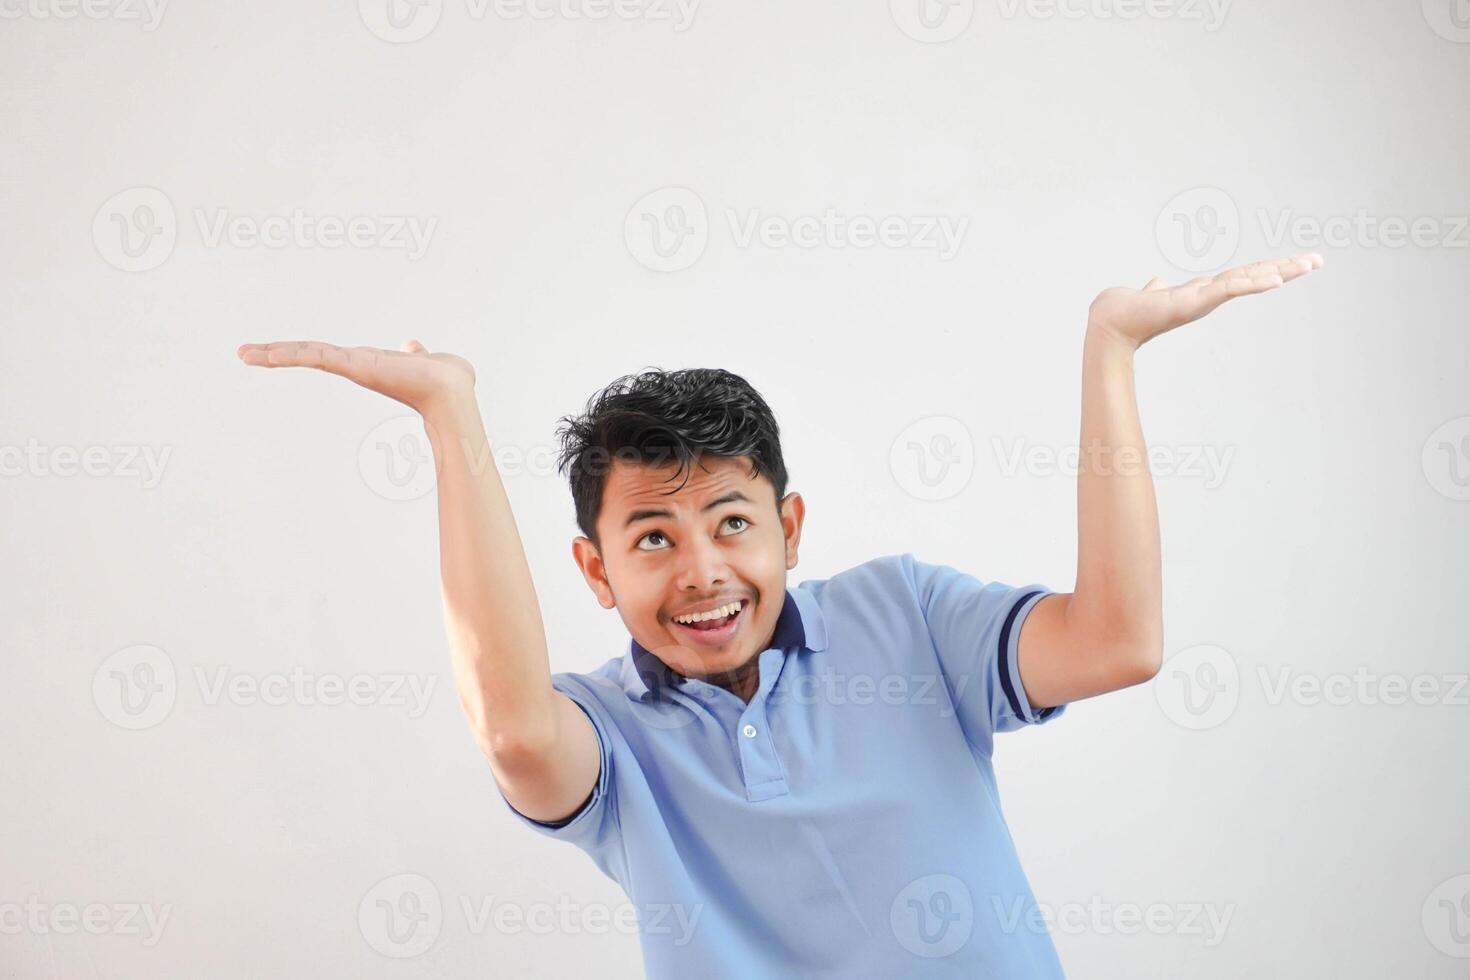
<point>655,417</point>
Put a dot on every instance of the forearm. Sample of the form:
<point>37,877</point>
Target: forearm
<point>496,634</point>
<point>1118,596</point>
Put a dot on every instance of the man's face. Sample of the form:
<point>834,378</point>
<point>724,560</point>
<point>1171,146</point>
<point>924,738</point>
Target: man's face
<point>718,539</point>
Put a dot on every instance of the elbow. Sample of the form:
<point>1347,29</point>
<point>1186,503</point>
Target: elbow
<point>517,750</point>
<point>1139,660</point>
<point>511,743</point>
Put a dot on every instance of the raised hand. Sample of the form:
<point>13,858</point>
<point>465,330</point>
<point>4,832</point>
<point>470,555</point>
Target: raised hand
<point>1136,316</point>
<point>410,375</point>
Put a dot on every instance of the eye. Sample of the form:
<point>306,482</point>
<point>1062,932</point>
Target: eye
<point>659,534</point>
<point>650,534</point>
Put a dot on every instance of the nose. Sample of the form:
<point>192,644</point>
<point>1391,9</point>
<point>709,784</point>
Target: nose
<point>703,568</point>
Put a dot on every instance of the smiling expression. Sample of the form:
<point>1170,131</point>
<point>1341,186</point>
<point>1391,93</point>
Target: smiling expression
<point>718,539</point>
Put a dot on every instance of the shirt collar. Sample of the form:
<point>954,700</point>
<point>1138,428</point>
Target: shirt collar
<point>800,626</point>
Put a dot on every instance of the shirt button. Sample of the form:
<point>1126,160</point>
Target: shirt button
<point>748,731</point>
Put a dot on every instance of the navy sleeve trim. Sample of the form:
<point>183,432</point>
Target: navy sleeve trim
<point>1007,684</point>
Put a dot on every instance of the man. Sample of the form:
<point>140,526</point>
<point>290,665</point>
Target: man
<point>787,781</point>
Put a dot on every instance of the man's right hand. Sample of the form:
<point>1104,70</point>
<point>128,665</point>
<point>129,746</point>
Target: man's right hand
<point>411,375</point>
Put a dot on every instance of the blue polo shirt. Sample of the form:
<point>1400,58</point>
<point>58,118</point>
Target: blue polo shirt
<point>845,822</point>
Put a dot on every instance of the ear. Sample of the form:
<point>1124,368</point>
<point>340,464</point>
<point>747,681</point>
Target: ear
<point>793,512</point>
<point>589,560</point>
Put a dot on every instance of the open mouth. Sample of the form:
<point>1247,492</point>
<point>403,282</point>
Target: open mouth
<point>714,630</point>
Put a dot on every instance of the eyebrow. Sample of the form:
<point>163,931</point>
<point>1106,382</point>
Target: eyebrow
<point>646,514</point>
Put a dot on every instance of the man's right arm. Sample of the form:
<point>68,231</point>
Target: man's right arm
<point>542,748</point>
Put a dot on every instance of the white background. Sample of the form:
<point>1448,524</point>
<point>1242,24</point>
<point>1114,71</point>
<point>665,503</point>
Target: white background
<point>1333,541</point>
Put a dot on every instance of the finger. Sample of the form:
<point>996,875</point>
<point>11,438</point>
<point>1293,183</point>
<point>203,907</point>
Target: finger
<point>1214,293</point>
<point>1299,265</point>
<point>1155,283</point>
<point>299,353</point>
<point>412,346</point>
<point>1288,268</point>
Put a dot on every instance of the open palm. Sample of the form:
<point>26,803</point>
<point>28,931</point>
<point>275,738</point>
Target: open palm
<point>411,375</point>
<point>1139,315</point>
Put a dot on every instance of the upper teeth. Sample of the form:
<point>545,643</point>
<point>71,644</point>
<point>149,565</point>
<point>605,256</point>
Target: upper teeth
<point>724,610</point>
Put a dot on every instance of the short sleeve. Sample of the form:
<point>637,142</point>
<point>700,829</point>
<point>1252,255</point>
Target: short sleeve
<point>596,821</point>
<point>975,628</point>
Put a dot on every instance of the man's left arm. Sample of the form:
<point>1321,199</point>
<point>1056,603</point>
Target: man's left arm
<point>1108,632</point>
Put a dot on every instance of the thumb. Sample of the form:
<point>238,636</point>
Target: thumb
<point>1155,283</point>
<point>413,347</point>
